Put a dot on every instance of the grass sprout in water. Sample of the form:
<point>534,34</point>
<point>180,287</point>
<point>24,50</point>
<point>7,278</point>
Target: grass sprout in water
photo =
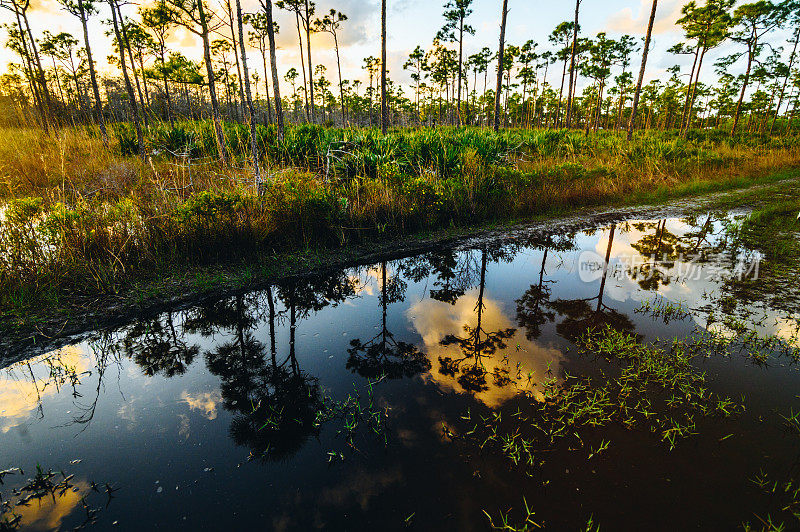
<point>666,310</point>
<point>356,413</point>
<point>47,486</point>
<point>503,520</point>
<point>656,389</point>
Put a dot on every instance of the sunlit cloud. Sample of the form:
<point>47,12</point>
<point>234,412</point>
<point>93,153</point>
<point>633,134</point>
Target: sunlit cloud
<point>48,512</point>
<point>25,386</point>
<point>634,21</point>
<point>434,320</point>
<point>206,403</point>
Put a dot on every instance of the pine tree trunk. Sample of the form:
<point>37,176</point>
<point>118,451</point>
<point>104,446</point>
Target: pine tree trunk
<point>128,86</point>
<point>302,65</point>
<point>341,85</point>
<point>744,87</point>
<point>48,104</point>
<point>276,91</point>
<point>384,103</point>
<point>93,76</point>
<point>500,69</point>
<point>572,73</point>
<point>637,93</point>
<point>236,46</point>
<point>689,86</point>
<point>460,66</point>
<point>29,73</point>
<point>310,66</point>
<point>266,84</point>
<point>212,86</point>
<point>248,98</point>
<point>786,78</point>
<point>127,46</point>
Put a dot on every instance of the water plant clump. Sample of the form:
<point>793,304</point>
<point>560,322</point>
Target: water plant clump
<point>664,309</point>
<point>45,487</point>
<point>656,389</point>
<point>356,415</point>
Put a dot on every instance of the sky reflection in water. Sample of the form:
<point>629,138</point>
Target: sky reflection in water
<point>208,416</point>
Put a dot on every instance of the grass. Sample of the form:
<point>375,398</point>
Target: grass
<point>82,222</point>
<point>46,488</point>
<point>656,389</point>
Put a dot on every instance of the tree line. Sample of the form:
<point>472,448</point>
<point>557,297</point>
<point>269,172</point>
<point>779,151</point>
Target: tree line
<point>56,82</point>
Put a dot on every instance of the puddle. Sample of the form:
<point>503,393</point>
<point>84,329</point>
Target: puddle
<point>334,401</point>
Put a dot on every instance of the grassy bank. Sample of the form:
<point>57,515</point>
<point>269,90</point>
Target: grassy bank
<point>81,221</point>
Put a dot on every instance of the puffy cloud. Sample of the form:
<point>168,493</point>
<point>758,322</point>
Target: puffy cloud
<point>434,320</point>
<point>668,12</point>
<point>206,403</point>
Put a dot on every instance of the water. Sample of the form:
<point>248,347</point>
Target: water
<point>207,417</point>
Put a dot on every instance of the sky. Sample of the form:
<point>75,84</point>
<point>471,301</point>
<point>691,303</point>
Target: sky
<point>415,22</point>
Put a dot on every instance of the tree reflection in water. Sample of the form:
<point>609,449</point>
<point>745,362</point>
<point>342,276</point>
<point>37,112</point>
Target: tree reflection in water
<point>476,345</point>
<point>157,348</point>
<point>581,314</point>
<point>276,404</point>
<point>382,355</point>
<point>534,307</point>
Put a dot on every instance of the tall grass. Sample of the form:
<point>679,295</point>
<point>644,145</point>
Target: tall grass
<point>80,218</point>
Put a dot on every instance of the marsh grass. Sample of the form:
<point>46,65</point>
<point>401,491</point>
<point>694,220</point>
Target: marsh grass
<point>80,220</point>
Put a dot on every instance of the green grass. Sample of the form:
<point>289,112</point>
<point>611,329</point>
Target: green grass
<point>656,390</point>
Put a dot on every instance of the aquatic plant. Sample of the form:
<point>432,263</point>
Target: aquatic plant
<point>663,309</point>
<point>504,522</point>
<point>657,389</point>
<point>45,485</point>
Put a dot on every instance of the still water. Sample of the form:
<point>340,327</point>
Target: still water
<point>333,401</point>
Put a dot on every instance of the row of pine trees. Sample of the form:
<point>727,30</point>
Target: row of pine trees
<point>56,81</point>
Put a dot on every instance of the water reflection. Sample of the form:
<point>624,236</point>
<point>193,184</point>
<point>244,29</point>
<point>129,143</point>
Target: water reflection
<point>383,355</point>
<point>48,513</point>
<point>157,348</point>
<point>25,386</point>
<point>275,403</point>
<point>474,326</point>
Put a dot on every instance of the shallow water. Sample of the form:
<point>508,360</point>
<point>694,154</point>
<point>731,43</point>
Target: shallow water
<point>207,417</point>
